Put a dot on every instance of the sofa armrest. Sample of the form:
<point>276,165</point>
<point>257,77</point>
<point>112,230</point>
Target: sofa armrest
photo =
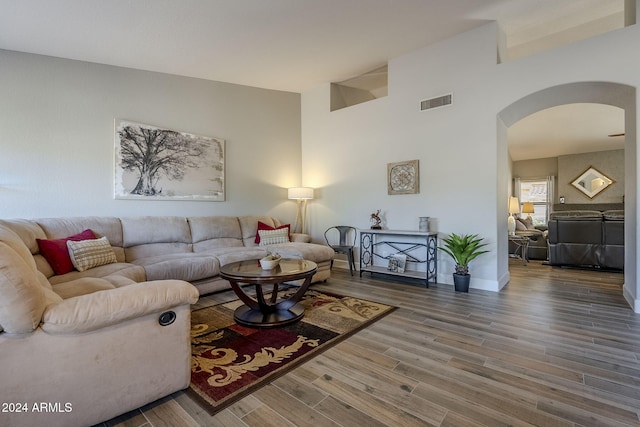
<point>97,310</point>
<point>299,237</point>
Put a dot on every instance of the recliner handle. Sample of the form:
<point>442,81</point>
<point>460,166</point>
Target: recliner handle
<point>167,318</point>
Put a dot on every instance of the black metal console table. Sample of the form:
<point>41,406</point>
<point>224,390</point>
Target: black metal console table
<point>419,247</point>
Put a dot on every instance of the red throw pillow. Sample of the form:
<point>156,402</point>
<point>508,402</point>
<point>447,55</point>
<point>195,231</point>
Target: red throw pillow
<point>56,253</point>
<point>263,226</point>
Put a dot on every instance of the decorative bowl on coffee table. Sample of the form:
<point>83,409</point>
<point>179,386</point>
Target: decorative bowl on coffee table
<point>269,264</point>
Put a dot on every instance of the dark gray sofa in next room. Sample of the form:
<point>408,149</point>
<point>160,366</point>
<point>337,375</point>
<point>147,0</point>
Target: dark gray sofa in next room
<point>585,238</point>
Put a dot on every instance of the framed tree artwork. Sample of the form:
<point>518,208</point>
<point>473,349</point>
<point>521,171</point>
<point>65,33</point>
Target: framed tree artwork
<point>403,177</point>
<point>153,163</point>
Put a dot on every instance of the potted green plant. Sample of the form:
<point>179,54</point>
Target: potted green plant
<point>463,249</point>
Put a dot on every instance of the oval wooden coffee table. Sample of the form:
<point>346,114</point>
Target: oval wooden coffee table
<point>271,311</point>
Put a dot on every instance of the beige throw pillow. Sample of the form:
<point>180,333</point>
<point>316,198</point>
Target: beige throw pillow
<point>520,226</point>
<point>87,254</point>
<point>273,237</point>
<point>528,222</point>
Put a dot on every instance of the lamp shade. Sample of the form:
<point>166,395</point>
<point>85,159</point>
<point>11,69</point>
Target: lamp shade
<point>514,205</point>
<point>527,207</point>
<point>300,193</point>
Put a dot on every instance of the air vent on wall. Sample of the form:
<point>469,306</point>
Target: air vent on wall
<point>440,101</point>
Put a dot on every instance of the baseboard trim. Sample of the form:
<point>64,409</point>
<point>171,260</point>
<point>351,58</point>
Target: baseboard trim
<point>633,302</point>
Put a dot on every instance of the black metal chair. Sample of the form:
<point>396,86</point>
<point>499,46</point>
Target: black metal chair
<point>342,239</point>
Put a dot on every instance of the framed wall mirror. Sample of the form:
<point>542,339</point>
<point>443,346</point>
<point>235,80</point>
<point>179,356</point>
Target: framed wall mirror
<point>592,182</point>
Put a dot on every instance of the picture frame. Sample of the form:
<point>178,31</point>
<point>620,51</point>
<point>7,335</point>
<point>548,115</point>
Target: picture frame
<point>397,263</point>
<point>153,163</point>
<point>403,177</point>
<point>393,264</point>
<point>592,182</point>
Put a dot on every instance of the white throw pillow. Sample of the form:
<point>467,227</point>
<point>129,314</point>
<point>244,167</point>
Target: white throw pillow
<point>273,237</point>
<point>87,254</point>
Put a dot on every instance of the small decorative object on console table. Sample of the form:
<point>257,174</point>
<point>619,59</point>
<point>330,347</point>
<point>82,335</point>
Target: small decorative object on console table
<point>463,249</point>
<point>375,218</point>
<point>397,263</point>
<point>399,253</point>
<point>423,225</point>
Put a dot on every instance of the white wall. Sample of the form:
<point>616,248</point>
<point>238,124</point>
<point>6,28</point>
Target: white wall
<point>463,165</point>
<point>57,138</point>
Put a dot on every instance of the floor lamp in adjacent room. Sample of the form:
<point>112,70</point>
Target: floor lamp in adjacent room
<point>301,195</point>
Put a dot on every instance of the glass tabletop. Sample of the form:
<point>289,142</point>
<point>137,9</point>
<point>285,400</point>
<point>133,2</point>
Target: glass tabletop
<point>252,269</point>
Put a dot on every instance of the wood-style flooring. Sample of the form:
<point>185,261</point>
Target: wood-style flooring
<point>556,347</point>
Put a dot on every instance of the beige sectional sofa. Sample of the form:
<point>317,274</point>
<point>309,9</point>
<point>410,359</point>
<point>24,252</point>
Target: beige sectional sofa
<point>82,347</point>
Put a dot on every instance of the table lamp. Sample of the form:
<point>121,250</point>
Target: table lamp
<point>527,207</point>
<point>514,208</point>
<point>301,195</point>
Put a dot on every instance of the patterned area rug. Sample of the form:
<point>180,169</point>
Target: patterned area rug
<point>230,361</point>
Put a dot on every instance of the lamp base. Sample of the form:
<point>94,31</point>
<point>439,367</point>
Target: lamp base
<point>511,225</point>
<point>301,217</point>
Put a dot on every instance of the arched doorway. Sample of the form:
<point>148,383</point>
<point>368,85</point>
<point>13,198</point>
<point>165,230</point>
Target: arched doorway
<point>615,94</point>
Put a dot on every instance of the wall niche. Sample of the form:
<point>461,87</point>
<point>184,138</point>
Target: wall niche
<point>365,87</point>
